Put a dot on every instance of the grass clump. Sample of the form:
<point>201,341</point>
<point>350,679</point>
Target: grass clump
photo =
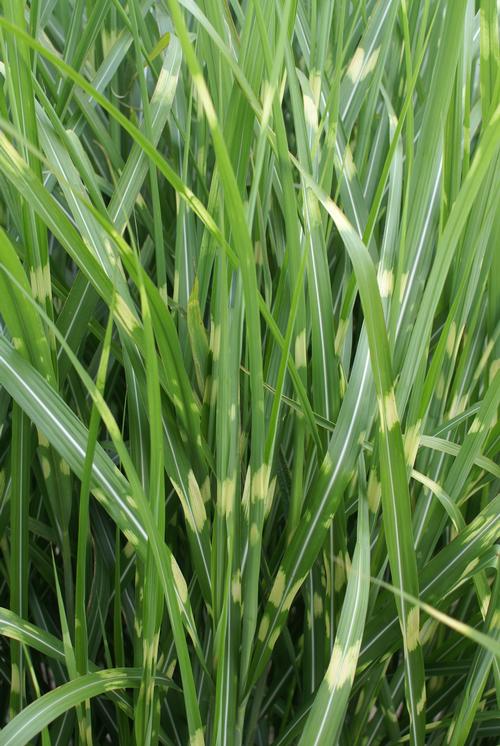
<point>249,378</point>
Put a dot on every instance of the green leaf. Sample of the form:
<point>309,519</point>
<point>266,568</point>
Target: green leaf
<point>25,726</point>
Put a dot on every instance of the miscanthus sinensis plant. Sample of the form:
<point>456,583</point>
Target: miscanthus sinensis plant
<point>249,372</point>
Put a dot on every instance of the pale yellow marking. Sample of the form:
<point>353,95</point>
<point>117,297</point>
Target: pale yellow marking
<point>310,111</point>
<point>347,564</point>
<point>317,605</point>
<point>273,638</point>
<point>358,68</point>
<point>254,534</point>
<point>301,350</point>
<point>197,504</point>
<point>326,466</point>
<point>315,83</point>
<point>245,499</point>
<point>451,339</point>
<point>260,482</point>
<point>15,679</point>
<point>163,290</point>
<point>342,666</point>
<point>179,580</point>
<point>495,621</point>
<point>370,64</point>
<point>342,223</point>
<point>391,412</point>
<point>339,575</point>
<point>215,342</point>
<point>40,282</point>
<point>125,315</point>
<point>278,589</point>
<point>205,490</point>
<point>350,166</point>
<point>228,491</point>
<point>412,440</point>
<point>356,64</point>
<point>270,496</point>
<point>374,492</point>
<point>178,403</point>
<point>386,282</point>
<point>421,702</point>
<point>471,566</point>
<point>42,440</point>
<point>458,405</point>
<point>197,739</point>
<point>264,626</point>
<point>476,426</point>
<point>45,467</point>
<point>313,207</point>
<point>130,500</point>
<point>128,550</point>
<point>236,588</point>
<point>292,593</point>
<point>413,629</point>
<point>485,604</point>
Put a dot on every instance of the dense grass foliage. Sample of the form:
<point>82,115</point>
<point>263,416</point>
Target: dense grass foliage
<point>249,372</point>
